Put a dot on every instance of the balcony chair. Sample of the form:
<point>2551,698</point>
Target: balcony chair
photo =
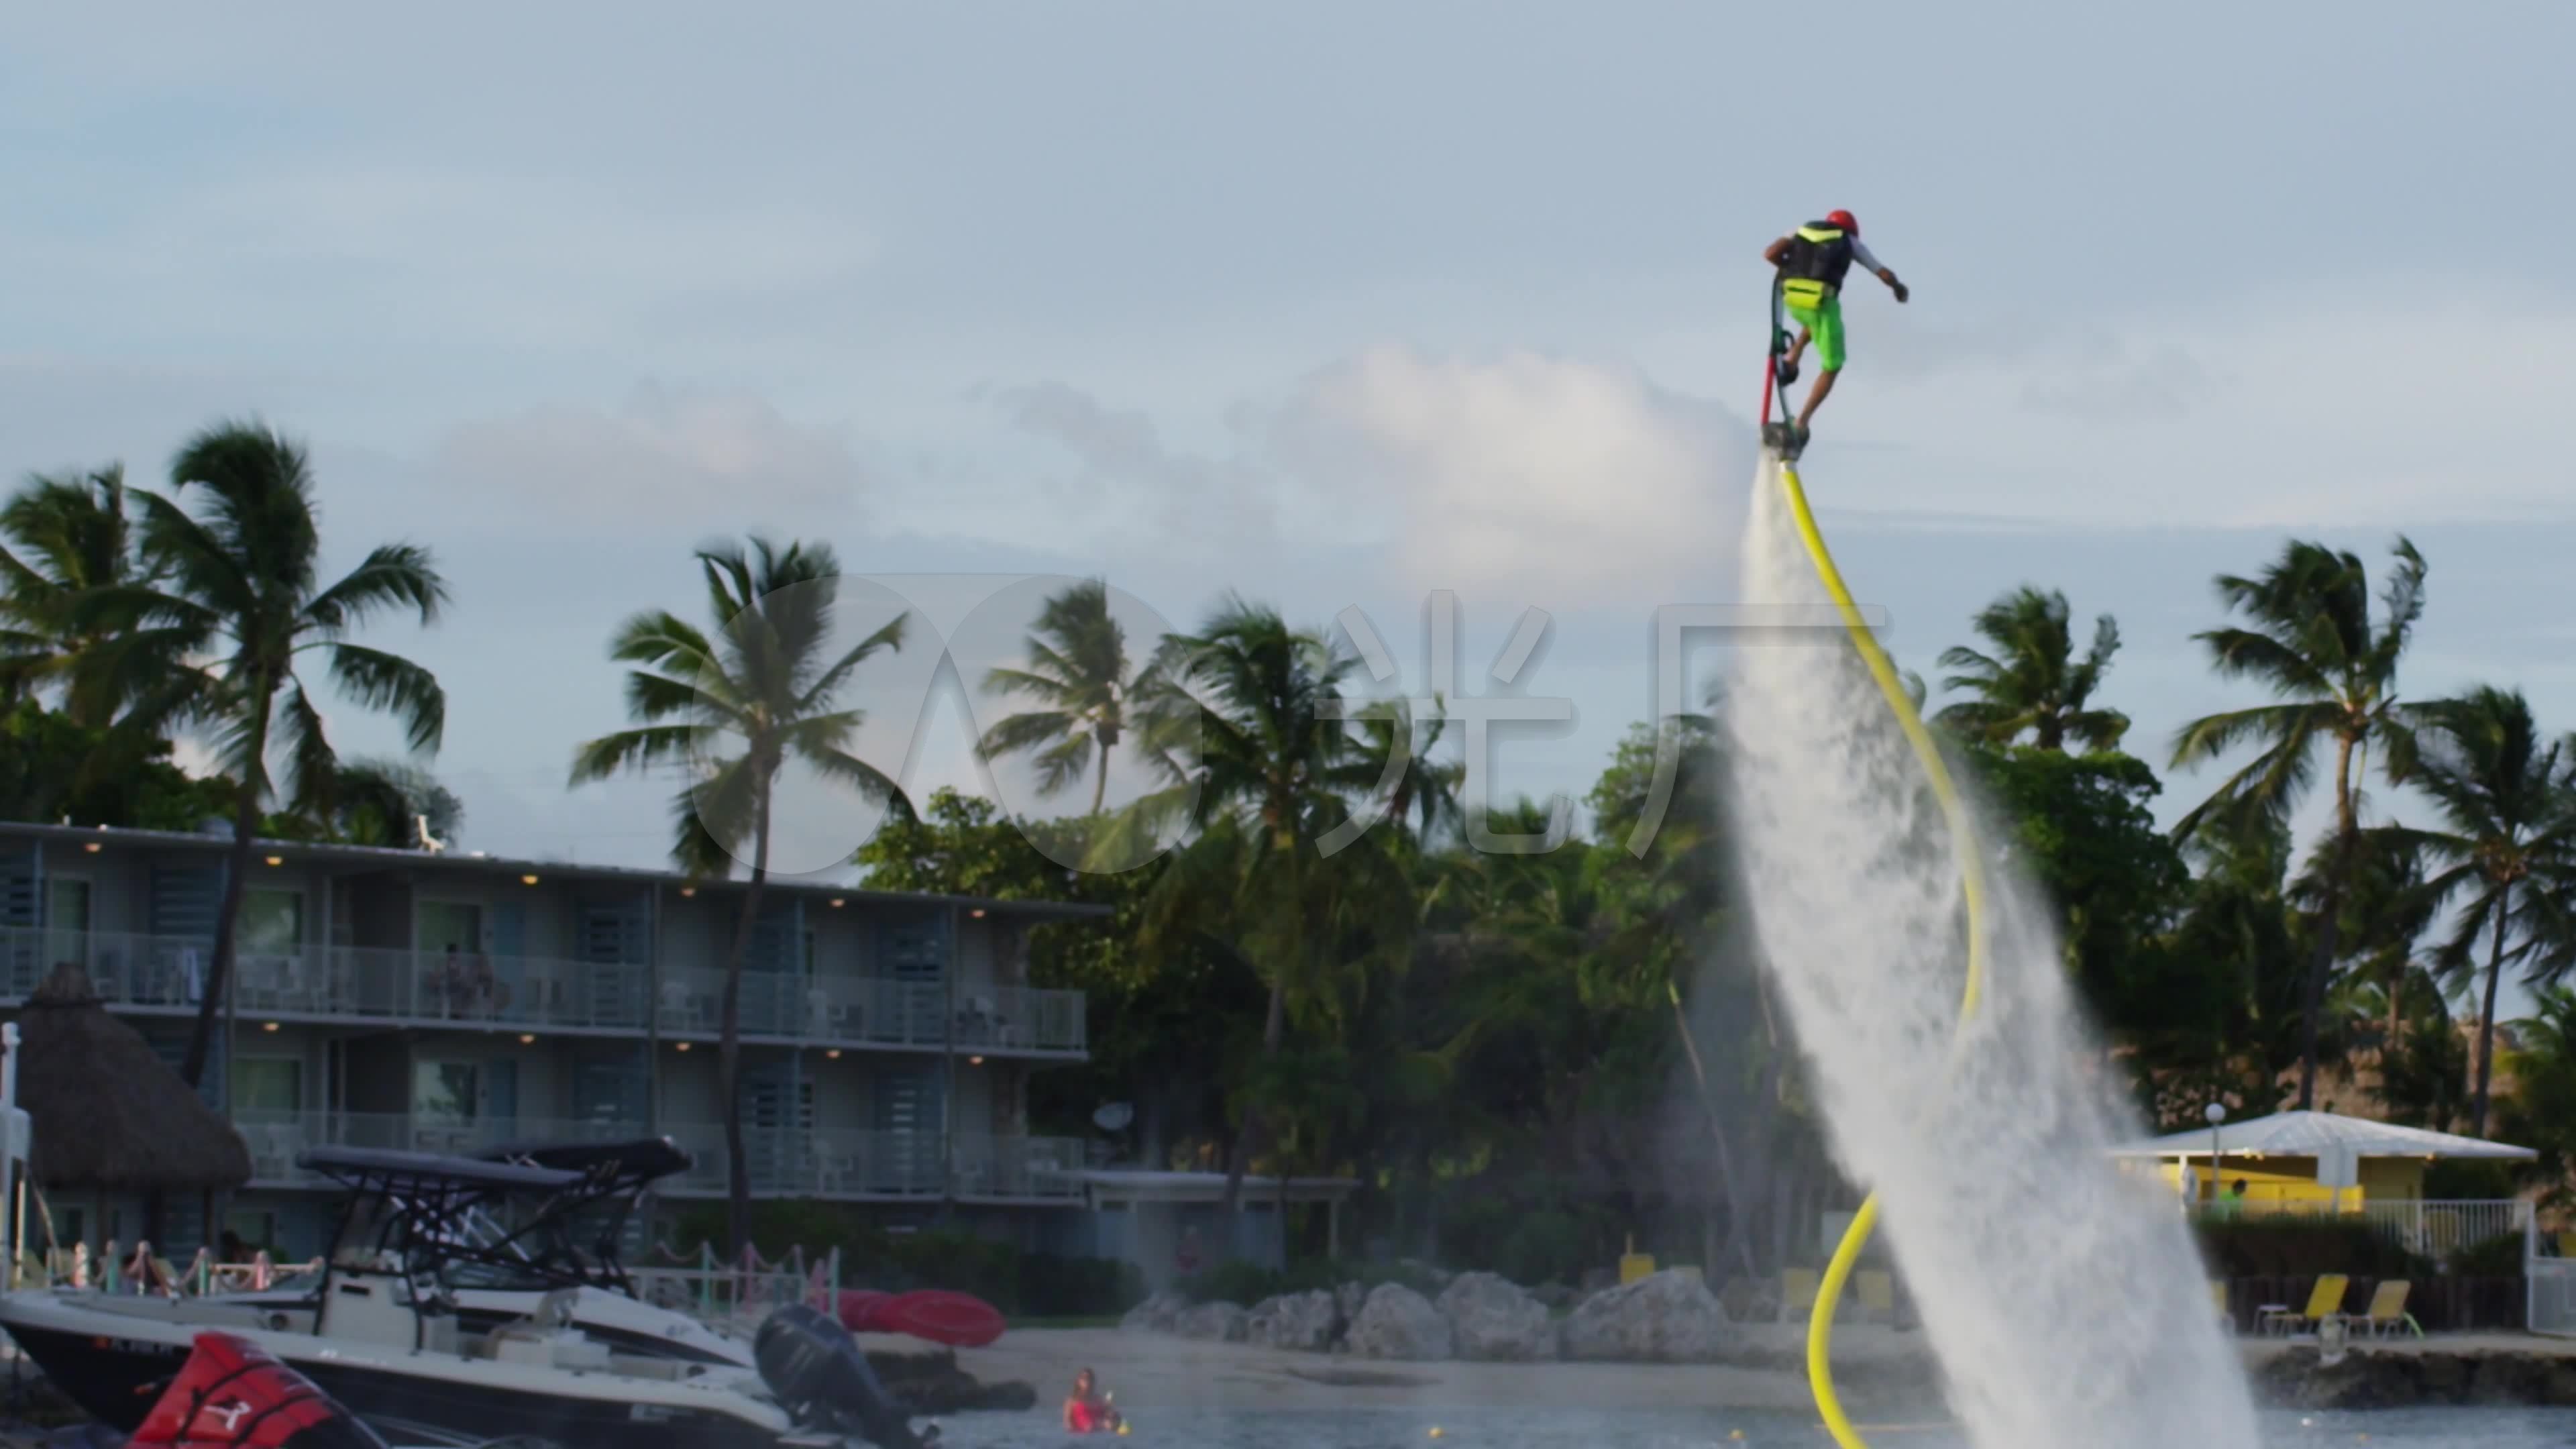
<point>832,1020</point>
<point>680,1007</point>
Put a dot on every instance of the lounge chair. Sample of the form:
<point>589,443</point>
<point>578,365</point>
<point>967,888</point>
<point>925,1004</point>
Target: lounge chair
<point>2387,1310</point>
<point>1798,1288</point>
<point>2324,1301</point>
<point>1877,1294</point>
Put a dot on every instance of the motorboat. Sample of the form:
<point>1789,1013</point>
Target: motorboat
<point>574,1243</point>
<point>504,1257</point>
<point>380,1332</point>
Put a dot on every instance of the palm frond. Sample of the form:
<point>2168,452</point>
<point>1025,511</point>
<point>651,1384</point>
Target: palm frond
<point>852,773</point>
<point>396,686</point>
<point>394,576</point>
<point>653,747</point>
<point>312,768</point>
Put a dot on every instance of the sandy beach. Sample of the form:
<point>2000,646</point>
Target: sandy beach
<point>1876,1369</point>
<point>1149,1371</point>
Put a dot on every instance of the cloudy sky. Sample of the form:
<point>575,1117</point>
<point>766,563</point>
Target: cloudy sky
<point>1334,304</point>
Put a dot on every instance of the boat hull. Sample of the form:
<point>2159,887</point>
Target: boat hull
<point>115,1370</point>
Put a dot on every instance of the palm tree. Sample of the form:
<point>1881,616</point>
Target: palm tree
<point>767,681</point>
<point>2239,920</point>
<point>71,538</point>
<point>2509,842</point>
<point>2313,642</point>
<point>2541,1111</point>
<point>2033,682</point>
<point>2387,905</point>
<point>1412,783</point>
<point>1271,759</point>
<point>1078,673</point>
<point>212,633</point>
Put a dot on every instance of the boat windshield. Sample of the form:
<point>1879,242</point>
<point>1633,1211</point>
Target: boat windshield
<point>546,1250</point>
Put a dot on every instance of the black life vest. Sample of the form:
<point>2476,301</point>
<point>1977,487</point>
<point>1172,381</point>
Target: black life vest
<point>1818,252</point>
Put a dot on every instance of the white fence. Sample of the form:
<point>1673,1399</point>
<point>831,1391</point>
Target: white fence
<point>2438,1228</point>
<point>736,1299</point>
<point>2551,1284</point>
<point>2432,1227</point>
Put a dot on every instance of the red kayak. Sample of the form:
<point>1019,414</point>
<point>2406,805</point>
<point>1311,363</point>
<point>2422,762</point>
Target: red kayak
<point>231,1395</point>
<point>958,1320</point>
<point>858,1308</point>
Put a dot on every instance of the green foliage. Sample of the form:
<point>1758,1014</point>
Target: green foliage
<point>2464,1179</point>
<point>2033,683</point>
<point>2500,1256</point>
<point>1490,1042</point>
<point>2508,842</point>
<point>2540,1113</point>
<point>2309,637</point>
<point>2293,1247</point>
<point>53,769</point>
<point>1167,1027</point>
<point>2083,826</point>
<point>1238,1282</point>
<point>1552,1243</point>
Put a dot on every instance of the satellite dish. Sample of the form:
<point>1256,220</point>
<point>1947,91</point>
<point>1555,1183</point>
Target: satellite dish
<point>1114,1117</point>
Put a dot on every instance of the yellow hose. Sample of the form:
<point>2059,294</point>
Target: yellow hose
<point>1972,881</point>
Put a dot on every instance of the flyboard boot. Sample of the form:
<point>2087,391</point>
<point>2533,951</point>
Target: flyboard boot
<point>1783,437</point>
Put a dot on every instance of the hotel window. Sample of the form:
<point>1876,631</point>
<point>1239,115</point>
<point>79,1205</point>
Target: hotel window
<point>268,1084</point>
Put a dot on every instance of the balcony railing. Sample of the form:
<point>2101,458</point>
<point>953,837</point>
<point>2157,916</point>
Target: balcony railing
<point>782,1161</point>
<point>536,992</point>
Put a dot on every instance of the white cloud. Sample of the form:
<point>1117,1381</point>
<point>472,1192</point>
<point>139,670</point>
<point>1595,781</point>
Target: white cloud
<point>2383,404</point>
<point>665,463</point>
<point>1168,493</point>
<point>1525,475</point>
<point>1536,478</point>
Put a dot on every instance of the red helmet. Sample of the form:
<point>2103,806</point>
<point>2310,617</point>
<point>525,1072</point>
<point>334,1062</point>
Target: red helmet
<point>1844,220</point>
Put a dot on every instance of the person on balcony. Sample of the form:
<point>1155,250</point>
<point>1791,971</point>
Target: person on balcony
<point>447,987</point>
<point>491,994</point>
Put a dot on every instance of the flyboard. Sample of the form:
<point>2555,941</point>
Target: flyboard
<point>1784,443</point>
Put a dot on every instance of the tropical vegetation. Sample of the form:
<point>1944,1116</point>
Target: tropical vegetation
<point>1306,968</point>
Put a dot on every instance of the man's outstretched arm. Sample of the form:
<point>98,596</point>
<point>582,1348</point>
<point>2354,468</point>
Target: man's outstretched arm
<point>1775,251</point>
<point>1878,269</point>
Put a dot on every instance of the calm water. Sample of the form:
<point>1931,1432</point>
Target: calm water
<point>1570,1429</point>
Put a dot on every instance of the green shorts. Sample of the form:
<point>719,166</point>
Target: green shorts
<point>1823,319</point>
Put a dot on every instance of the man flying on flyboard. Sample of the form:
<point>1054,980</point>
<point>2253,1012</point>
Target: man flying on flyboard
<point>1812,262</point>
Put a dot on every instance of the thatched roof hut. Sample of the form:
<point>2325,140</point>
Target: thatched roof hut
<point>109,1114</point>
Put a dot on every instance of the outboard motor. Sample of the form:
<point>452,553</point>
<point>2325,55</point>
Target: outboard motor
<point>815,1368</point>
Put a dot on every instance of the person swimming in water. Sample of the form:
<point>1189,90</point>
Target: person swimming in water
<point>1088,1411</point>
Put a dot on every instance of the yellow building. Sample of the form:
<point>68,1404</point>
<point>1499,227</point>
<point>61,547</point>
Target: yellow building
<point>2304,1161</point>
